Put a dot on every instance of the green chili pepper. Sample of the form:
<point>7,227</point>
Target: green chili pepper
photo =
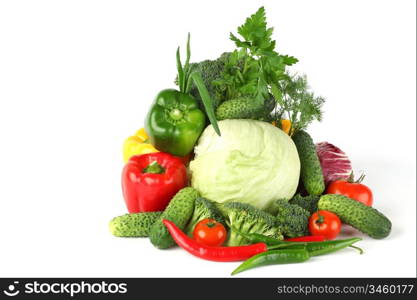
<point>290,252</point>
<point>320,248</point>
<point>284,256</point>
<point>314,248</point>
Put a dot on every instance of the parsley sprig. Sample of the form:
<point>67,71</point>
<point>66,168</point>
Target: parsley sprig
<point>254,68</point>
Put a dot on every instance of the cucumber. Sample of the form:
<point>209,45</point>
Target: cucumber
<point>311,173</point>
<point>244,108</point>
<point>133,225</point>
<point>179,211</point>
<point>364,218</point>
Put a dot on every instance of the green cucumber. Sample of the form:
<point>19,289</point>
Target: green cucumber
<point>244,108</point>
<point>133,225</point>
<point>179,210</point>
<point>356,214</point>
<point>311,173</point>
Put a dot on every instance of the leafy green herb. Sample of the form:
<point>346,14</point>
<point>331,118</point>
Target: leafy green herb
<point>181,77</point>
<point>256,35</point>
<point>255,66</point>
<point>207,102</point>
<point>298,104</point>
<point>256,71</point>
<point>186,76</point>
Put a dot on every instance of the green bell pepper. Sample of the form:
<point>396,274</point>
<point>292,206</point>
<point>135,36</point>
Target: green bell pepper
<point>174,122</point>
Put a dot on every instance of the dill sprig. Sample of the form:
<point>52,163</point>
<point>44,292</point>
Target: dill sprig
<point>298,104</point>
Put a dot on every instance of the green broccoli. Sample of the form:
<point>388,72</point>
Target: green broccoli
<point>203,209</point>
<point>245,218</point>
<point>210,70</point>
<point>308,202</point>
<point>292,219</point>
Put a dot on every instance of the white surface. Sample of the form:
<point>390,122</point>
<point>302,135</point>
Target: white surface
<point>77,77</point>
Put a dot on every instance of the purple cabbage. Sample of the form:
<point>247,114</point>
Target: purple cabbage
<point>334,162</point>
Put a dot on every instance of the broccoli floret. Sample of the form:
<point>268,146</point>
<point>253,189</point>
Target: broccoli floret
<point>308,202</point>
<point>245,218</point>
<point>203,209</point>
<point>210,70</point>
<point>292,219</point>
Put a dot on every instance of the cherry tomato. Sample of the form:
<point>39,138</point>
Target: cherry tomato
<point>209,232</point>
<point>353,190</point>
<point>324,223</point>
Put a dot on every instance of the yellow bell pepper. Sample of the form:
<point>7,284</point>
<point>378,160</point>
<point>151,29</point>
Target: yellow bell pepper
<point>137,144</point>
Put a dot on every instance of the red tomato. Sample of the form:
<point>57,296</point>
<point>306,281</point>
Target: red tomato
<point>209,232</point>
<point>324,223</point>
<point>356,191</point>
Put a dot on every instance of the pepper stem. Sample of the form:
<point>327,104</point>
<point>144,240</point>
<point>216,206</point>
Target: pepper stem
<point>154,168</point>
<point>175,114</point>
<point>357,248</point>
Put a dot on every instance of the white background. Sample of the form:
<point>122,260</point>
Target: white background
<point>77,78</point>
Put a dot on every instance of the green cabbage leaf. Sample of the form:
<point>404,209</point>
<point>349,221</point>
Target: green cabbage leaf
<point>251,162</point>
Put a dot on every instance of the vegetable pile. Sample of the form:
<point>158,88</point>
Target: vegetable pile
<point>226,169</point>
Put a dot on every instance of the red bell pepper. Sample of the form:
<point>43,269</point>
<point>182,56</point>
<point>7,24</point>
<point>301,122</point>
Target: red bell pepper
<point>149,181</point>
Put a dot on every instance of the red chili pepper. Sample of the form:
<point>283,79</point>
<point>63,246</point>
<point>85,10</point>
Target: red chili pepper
<point>307,238</point>
<point>235,253</point>
<point>149,181</point>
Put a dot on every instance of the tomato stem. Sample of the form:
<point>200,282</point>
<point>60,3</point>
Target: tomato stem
<point>351,178</point>
<point>211,224</point>
<point>320,220</point>
<point>361,178</point>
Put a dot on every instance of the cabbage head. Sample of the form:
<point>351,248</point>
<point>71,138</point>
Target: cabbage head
<point>251,162</point>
